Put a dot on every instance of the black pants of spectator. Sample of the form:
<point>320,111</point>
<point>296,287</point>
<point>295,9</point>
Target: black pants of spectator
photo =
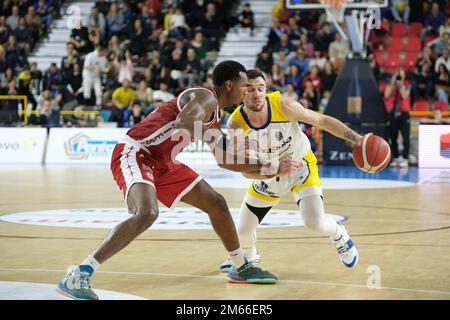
<point>121,116</point>
<point>400,124</point>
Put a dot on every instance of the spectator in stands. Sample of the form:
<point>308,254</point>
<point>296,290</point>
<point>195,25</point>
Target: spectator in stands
<point>47,114</point>
<point>96,21</point>
<point>44,11</point>
<point>422,83</point>
<point>115,46</point>
<point>271,86</point>
<point>24,37</point>
<point>74,83</point>
<point>442,85</point>
<point>137,39</point>
<point>339,45</point>
<point>10,108</point>
<point>400,10</point>
<point>52,78</point>
<point>310,94</point>
<point>34,22</point>
<point>163,95</point>
<point>109,76</point>
<point>397,101</point>
<point>36,79</point>
<point>294,77</point>
<point>318,60</point>
<point>94,64</point>
<point>122,98</point>
<point>445,28</point>
<point>324,101</point>
<point>13,56</point>
<point>195,12</point>
<point>433,21</point>
<point>324,37</point>
<point>7,77</point>
<point>155,70</point>
<point>290,92</point>
<point>211,26</point>
<point>144,98</point>
<point>437,117</point>
<point>125,10</point>
<point>293,31</point>
<point>13,20</point>
<point>177,25</point>
<point>277,75</point>
<point>115,21</point>
<point>24,87</point>
<point>246,18</point>
<point>327,78</point>
<point>306,45</point>
<point>124,67</point>
<point>81,40</point>
<point>444,59</point>
<point>426,56</point>
<point>5,30</point>
<point>264,61</point>
<point>277,29</point>
<point>146,19</point>
<point>165,47</point>
<point>102,6</point>
<point>191,72</point>
<point>3,64</point>
<point>199,46</point>
<point>442,43</point>
<point>68,61</point>
<point>281,60</point>
<point>300,61</point>
<point>314,77</point>
<point>284,45</point>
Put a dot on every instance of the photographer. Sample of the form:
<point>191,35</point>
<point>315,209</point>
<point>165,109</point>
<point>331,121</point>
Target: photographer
<point>397,101</point>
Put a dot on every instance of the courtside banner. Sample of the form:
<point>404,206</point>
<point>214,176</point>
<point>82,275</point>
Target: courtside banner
<point>434,146</point>
<point>22,145</point>
<point>82,145</point>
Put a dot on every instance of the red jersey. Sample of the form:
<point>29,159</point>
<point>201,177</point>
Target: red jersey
<point>154,133</point>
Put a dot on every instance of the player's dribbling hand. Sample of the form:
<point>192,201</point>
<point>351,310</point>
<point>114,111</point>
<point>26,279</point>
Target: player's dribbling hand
<point>283,168</point>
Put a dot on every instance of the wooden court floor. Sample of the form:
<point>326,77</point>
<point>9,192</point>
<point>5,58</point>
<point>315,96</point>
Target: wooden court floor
<point>402,233</point>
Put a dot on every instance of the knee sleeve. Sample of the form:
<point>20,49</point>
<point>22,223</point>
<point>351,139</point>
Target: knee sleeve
<point>314,216</point>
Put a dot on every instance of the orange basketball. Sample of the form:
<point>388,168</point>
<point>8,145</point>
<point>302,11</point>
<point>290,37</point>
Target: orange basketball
<point>371,154</point>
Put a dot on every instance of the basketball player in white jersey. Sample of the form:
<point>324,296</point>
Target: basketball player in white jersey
<point>270,122</point>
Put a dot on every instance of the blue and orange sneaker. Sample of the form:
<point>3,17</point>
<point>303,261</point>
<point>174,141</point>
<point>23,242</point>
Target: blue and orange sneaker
<point>76,284</point>
<point>248,273</point>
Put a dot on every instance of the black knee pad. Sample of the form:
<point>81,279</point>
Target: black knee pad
<point>259,212</point>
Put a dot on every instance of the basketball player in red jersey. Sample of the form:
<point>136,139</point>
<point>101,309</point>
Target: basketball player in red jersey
<point>145,170</point>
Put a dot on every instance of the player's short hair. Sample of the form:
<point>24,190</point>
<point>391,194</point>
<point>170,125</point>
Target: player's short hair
<point>253,74</point>
<point>227,70</point>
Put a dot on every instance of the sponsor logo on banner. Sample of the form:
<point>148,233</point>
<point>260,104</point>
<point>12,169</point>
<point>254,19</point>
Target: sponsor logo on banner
<point>22,145</point>
<point>81,147</point>
<point>180,218</point>
<point>445,145</point>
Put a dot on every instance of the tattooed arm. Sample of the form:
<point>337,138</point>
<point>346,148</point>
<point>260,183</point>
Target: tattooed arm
<point>296,112</point>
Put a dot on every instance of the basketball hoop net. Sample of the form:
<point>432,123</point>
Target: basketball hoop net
<point>335,10</point>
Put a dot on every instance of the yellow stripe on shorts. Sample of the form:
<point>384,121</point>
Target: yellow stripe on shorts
<point>313,179</point>
<point>260,196</point>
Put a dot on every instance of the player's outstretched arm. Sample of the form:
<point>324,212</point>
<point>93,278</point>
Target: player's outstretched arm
<point>296,112</point>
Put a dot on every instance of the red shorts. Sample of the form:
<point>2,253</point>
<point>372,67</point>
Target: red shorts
<point>131,164</point>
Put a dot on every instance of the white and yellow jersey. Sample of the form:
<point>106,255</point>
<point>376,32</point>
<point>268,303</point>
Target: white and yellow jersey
<point>280,139</point>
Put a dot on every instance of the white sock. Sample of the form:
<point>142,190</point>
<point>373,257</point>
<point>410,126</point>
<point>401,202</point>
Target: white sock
<point>237,257</point>
<point>91,262</point>
<point>338,234</point>
<point>250,253</point>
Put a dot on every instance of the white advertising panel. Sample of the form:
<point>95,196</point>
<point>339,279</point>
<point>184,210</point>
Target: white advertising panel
<point>22,145</point>
<point>434,146</point>
<point>82,145</point>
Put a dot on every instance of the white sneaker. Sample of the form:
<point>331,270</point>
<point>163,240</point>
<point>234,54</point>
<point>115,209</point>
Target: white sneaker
<point>403,163</point>
<point>395,163</point>
<point>226,265</point>
<point>346,249</point>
